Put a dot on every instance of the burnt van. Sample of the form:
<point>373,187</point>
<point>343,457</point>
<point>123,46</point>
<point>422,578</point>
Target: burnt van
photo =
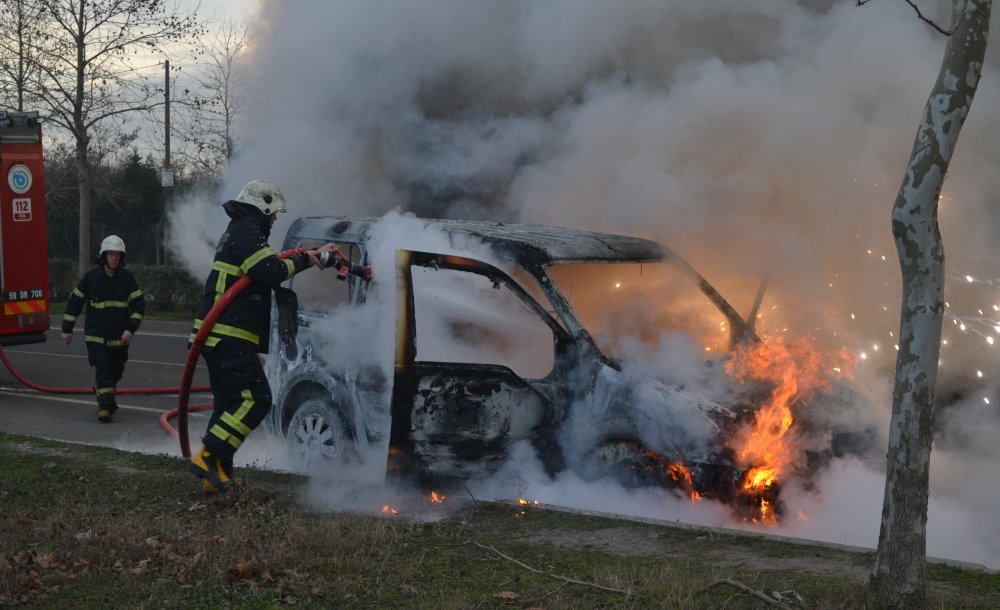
<point>501,334</point>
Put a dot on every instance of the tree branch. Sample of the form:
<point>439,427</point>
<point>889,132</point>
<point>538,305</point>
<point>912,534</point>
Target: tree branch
<point>742,587</point>
<point>557,577</point>
<point>929,22</point>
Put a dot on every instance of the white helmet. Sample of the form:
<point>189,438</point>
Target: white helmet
<point>112,243</point>
<point>262,195</point>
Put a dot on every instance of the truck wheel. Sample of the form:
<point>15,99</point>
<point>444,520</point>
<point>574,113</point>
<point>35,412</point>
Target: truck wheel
<point>319,438</point>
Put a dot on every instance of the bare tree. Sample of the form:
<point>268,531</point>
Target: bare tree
<point>88,52</point>
<point>18,61</point>
<point>898,576</point>
<point>211,105</point>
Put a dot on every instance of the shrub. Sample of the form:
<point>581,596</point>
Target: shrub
<point>62,279</point>
<point>166,288</point>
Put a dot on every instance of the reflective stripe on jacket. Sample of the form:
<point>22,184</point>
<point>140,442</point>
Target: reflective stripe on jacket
<point>114,304</point>
<point>243,250</point>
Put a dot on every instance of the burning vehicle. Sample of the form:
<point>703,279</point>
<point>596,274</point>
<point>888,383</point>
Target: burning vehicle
<point>540,335</point>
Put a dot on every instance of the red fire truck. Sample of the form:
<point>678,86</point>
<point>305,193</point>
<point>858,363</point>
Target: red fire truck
<point>24,258</point>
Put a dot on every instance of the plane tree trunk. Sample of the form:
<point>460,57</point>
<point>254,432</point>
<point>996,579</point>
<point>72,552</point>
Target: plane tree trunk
<point>898,576</point>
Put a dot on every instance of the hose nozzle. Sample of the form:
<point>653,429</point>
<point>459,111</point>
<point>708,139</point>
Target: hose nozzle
<point>344,267</point>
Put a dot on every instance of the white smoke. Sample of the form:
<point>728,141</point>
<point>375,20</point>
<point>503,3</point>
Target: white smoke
<point>754,138</point>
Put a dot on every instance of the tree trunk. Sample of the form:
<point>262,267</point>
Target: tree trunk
<point>898,578</point>
<point>85,256</point>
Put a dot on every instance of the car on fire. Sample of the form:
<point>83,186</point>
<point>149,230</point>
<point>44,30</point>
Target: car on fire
<point>567,340</point>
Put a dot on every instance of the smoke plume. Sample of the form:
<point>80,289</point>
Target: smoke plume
<point>759,140</point>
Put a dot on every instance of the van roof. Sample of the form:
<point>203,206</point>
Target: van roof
<point>526,243</point>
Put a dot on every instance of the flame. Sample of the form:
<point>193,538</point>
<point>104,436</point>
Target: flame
<point>679,473</point>
<point>437,499</point>
<point>796,370</point>
<point>524,505</point>
<point>389,510</point>
<point>767,514</point>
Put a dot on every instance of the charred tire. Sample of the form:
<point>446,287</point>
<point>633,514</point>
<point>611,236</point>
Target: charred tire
<point>319,437</point>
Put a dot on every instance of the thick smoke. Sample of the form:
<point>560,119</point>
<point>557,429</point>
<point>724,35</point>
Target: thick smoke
<point>763,139</point>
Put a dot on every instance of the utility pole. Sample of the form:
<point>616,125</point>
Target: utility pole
<point>167,173</point>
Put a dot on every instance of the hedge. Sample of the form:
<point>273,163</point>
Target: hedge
<point>167,289</point>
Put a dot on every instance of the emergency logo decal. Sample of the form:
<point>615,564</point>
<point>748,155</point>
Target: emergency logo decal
<point>19,178</point>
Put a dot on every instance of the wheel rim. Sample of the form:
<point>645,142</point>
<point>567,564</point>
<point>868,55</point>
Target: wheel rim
<point>315,441</point>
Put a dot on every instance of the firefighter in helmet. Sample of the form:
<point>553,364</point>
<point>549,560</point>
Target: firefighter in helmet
<point>242,396</point>
<point>115,307</point>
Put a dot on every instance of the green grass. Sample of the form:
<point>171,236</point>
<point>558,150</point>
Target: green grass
<point>95,528</point>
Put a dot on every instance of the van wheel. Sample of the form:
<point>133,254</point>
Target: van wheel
<point>319,437</point>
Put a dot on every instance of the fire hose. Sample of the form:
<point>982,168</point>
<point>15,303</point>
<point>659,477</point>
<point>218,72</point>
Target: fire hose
<point>55,390</point>
<point>60,390</point>
<point>340,262</point>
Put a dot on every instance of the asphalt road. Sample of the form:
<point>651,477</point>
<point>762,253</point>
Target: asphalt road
<point>156,359</point>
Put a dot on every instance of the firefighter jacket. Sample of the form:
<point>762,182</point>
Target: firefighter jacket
<point>243,250</point>
<point>114,304</point>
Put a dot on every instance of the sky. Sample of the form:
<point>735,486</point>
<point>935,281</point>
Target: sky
<point>763,139</point>
<point>240,10</point>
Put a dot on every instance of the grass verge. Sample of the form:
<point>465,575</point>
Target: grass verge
<point>88,527</point>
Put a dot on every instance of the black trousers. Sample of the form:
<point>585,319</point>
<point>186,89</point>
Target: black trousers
<point>241,395</point>
<point>109,365</point>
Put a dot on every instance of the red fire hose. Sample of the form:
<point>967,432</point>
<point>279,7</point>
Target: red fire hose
<point>58,390</point>
<point>54,390</point>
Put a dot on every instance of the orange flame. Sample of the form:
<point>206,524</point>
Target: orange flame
<point>767,515</point>
<point>524,505</point>
<point>437,499</point>
<point>797,371</point>
<point>389,510</point>
<point>677,472</point>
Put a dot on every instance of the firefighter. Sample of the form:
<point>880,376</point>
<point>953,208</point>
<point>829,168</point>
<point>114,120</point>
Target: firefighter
<point>241,394</point>
<point>115,307</point>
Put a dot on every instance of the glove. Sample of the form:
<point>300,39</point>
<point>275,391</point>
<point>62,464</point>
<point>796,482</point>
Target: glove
<point>288,314</point>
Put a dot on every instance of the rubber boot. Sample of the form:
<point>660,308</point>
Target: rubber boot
<point>208,468</point>
<point>106,411</point>
<point>226,468</point>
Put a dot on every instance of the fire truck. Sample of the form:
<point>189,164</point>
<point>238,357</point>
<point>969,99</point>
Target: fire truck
<point>24,258</point>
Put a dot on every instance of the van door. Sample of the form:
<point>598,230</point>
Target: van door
<point>471,344</point>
